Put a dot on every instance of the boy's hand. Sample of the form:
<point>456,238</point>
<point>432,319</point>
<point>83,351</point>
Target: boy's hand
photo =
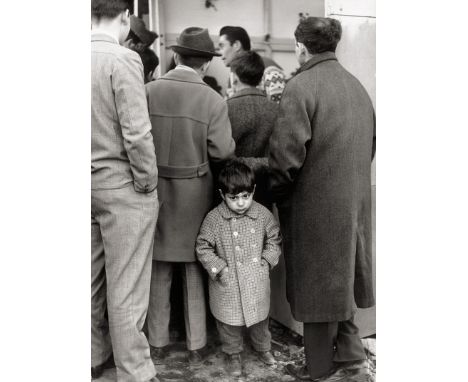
<point>223,276</point>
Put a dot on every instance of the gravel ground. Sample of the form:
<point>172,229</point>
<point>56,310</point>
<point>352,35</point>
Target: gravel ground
<point>286,347</point>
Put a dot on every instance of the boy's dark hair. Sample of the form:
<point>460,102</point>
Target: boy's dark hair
<point>109,8</point>
<point>150,61</point>
<point>234,34</point>
<point>319,34</point>
<point>249,67</point>
<point>193,62</point>
<point>236,177</point>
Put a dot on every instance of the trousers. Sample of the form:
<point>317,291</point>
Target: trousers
<point>159,312</point>
<point>232,336</point>
<point>327,343</point>
<point>123,223</point>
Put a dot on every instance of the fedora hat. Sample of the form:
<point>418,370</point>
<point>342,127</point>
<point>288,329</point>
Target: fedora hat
<point>195,41</point>
<point>138,27</point>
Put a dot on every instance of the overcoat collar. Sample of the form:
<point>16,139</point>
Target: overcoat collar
<point>226,213</point>
<point>183,76</point>
<point>103,37</point>
<point>316,59</point>
<point>247,92</point>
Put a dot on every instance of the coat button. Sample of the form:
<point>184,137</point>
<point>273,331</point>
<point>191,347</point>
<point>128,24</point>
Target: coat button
<point>254,245</point>
<point>234,220</point>
<point>235,234</point>
<point>254,259</point>
<point>213,270</point>
<point>238,248</point>
<point>252,230</point>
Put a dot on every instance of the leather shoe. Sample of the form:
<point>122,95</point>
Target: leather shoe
<point>195,357</point>
<point>234,364</point>
<point>300,373</point>
<point>98,371</point>
<point>266,357</point>
<point>158,354</point>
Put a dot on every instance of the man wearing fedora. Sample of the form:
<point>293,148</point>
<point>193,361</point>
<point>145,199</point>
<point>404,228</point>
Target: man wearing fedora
<point>191,132</point>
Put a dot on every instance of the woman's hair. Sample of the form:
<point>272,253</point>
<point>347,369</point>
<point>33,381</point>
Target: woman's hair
<point>109,8</point>
<point>318,34</point>
<point>236,177</point>
<point>249,67</point>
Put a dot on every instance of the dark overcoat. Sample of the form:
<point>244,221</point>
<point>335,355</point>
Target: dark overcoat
<point>191,131</point>
<point>320,161</point>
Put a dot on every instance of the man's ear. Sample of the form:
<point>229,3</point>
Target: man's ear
<point>237,45</point>
<point>221,193</point>
<point>234,79</point>
<point>125,17</point>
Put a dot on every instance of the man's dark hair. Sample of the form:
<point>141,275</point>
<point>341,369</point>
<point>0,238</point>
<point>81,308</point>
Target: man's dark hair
<point>249,67</point>
<point>234,34</point>
<point>150,60</point>
<point>236,177</point>
<point>109,8</point>
<point>193,62</point>
<point>132,36</point>
<point>319,34</point>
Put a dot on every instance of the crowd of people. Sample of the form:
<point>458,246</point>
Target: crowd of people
<point>184,178</point>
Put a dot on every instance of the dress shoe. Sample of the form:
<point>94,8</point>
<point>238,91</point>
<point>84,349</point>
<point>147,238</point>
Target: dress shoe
<point>300,373</point>
<point>98,371</point>
<point>266,357</point>
<point>158,354</point>
<point>195,357</point>
<point>234,364</point>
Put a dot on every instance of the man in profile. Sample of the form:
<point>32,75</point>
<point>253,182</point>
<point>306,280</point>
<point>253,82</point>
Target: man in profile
<point>124,204</point>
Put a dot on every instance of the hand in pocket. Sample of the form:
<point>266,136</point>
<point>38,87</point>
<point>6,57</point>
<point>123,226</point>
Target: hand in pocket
<point>224,276</point>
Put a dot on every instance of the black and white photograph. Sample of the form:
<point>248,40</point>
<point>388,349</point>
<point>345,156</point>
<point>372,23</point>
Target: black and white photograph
<point>237,234</point>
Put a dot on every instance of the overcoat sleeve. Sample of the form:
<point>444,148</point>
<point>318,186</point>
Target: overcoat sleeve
<point>272,246</point>
<point>206,247</point>
<point>221,146</point>
<point>132,110</point>
<point>291,134</point>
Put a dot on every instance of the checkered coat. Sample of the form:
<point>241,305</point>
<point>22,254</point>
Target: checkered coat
<point>250,245</point>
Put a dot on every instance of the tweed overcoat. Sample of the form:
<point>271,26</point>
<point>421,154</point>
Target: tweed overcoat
<point>320,158</point>
<point>249,245</point>
<point>191,130</point>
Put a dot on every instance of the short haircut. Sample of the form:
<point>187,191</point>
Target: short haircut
<point>318,34</point>
<point>109,9</point>
<point>193,62</point>
<point>249,67</point>
<point>150,60</point>
<point>236,177</point>
<point>234,34</point>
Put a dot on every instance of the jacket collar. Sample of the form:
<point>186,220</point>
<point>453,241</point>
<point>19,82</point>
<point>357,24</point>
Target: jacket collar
<point>248,91</point>
<point>100,36</point>
<point>226,213</point>
<point>183,75</point>
<point>317,59</point>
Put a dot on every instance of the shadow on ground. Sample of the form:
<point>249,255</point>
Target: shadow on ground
<point>286,347</point>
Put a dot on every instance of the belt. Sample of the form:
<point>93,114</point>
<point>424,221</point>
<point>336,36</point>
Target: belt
<point>184,172</point>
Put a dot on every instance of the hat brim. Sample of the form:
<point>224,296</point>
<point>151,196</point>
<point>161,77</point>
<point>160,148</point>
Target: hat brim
<point>146,36</point>
<point>193,52</point>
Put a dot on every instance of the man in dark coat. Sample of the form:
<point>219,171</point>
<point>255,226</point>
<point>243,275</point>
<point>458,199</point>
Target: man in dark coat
<point>321,151</point>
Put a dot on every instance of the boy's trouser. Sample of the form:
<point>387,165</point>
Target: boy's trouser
<point>328,342</point>
<point>232,336</point>
<point>123,223</point>
<point>159,311</point>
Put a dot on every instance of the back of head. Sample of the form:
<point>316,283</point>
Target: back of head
<point>236,34</point>
<point>108,9</point>
<point>318,34</point>
<point>150,61</point>
<point>249,67</point>
<point>193,62</point>
<point>236,177</point>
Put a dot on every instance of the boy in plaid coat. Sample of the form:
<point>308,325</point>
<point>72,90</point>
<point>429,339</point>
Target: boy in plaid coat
<point>239,242</point>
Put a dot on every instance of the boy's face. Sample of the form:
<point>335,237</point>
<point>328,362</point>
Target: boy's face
<point>239,203</point>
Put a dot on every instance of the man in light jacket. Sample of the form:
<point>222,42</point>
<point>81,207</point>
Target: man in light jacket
<point>124,201</point>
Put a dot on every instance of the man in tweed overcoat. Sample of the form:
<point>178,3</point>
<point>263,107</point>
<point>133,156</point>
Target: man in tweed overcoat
<point>320,160</point>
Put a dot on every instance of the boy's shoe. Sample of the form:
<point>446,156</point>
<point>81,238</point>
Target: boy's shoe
<point>158,355</point>
<point>98,371</point>
<point>234,364</point>
<point>266,357</point>
<point>195,357</point>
